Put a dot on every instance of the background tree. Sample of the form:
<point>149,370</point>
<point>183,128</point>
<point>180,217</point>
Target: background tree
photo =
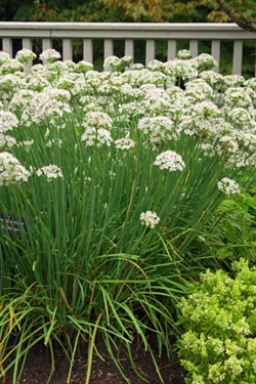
<point>241,12</point>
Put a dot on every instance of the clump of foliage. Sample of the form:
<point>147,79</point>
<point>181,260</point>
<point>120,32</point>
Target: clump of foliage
<point>109,184</point>
<point>237,220</point>
<point>219,317</point>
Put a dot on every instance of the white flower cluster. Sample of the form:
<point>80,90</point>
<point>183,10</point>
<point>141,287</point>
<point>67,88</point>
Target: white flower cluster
<point>241,118</point>
<point>9,84</point>
<point>8,121</point>
<point>156,101</point>
<point>184,69</point>
<point>37,83</point>
<point>184,54</point>
<point>200,126</point>
<point>230,81</point>
<point>97,120</point>
<point>205,109</point>
<point>217,109</point>
<point>50,55</point>
<point>12,66</point>
<point>83,66</point>
<point>160,129</point>
<point>170,160</point>
<point>124,143</point>
<point>149,219</point>
<point>155,65</point>
<point>98,137</point>
<point>134,93</point>
<point>50,105</point>
<point>228,186</point>
<point>7,141</point>
<point>4,57</point>
<point>204,62</point>
<point>199,90</point>
<point>235,97</point>
<point>25,55</point>
<point>112,62</point>
<point>117,64</point>
<point>214,79</point>
<point>227,144</point>
<point>21,99</point>
<point>50,171</point>
<point>11,171</point>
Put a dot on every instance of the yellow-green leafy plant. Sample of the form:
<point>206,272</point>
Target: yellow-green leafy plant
<point>219,321</point>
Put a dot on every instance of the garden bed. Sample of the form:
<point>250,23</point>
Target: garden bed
<point>38,367</point>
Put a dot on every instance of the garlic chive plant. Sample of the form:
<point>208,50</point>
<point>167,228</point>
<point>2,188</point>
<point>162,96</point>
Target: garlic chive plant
<point>111,178</point>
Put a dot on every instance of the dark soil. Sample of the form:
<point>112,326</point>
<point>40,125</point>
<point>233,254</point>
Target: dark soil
<point>104,371</point>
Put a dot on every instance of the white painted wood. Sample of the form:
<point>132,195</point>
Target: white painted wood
<point>108,48</point>
<point>7,45</point>
<point>150,32</point>
<point>193,47</point>
<point>129,48</point>
<point>237,58</point>
<point>171,49</point>
<point>27,43</point>
<point>196,31</point>
<point>67,48</point>
<point>46,44</point>
<point>150,50</point>
<point>215,51</point>
<point>88,50</point>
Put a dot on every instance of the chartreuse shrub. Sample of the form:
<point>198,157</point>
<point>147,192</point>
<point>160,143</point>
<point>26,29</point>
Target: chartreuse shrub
<point>236,231</point>
<point>109,184</point>
<point>219,321</point>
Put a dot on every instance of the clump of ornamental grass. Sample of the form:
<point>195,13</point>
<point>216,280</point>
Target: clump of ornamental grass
<point>109,182</point>
<point>218,317</point>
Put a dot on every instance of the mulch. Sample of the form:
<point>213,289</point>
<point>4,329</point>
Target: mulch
<point>104,371</point>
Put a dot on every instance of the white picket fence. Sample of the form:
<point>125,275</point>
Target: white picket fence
<point>171,33</point>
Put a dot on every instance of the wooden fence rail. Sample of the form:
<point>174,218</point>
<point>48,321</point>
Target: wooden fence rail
<point>171,33</point>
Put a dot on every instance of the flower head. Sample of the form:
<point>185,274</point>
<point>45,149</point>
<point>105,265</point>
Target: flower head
<point>11,66</point>
<point>50,171</point>
<point>8,121</point>
<point>7,141</point>
<point>233,81</point>
<point>124,143</point>
<point>126,60</point>
<point>11,171</point>
<point>181,68</point>
<point>228,186</point>
<point>83,66</point>
<point>170,160</point>
<point>113,63</point>
<point>50,55</point>
<point>97,120</point>
<point>149,219</point>
<point>204,62</point>
<point>184,54</point>
<point>155,65</point>
<point>24,55</point>
<point>4,56</point>
<point>214,79</point>
<point>160,129</point>
<point>98,137</point>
